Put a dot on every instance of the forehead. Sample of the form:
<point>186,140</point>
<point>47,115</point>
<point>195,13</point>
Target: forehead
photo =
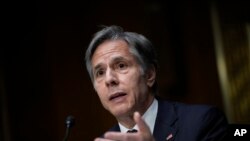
<point>109,49</point>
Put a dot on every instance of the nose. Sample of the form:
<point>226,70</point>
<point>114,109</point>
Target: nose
<point>111,78</point>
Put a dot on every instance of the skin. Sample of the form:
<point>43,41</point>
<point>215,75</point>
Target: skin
<point>143,134</point>
<point>123,88</point>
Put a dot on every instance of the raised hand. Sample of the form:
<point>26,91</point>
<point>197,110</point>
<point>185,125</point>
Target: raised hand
<point>143,134</point>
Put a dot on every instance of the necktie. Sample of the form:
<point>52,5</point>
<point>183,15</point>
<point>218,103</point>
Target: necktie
<point>132,131</point>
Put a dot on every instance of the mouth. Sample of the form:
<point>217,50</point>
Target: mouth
<point>117,95</point>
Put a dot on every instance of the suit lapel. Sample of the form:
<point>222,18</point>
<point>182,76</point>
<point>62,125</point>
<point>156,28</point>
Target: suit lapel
<point>115,128</point>
<point>165,125</point>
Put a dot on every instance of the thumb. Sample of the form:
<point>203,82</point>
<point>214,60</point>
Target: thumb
<point>143,127</point>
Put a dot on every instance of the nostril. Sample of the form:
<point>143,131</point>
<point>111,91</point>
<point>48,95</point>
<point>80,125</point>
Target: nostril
<point>114,83</point>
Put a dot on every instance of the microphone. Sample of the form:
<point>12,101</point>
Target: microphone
<point>69,122</point>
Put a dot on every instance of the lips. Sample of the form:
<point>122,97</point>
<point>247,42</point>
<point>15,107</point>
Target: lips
<point>117,95</point>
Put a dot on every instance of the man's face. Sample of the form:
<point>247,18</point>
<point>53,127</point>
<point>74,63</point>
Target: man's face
<point>119,80</point>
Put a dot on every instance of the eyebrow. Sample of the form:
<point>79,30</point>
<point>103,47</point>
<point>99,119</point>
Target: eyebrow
<point>118,58</point>
<point>97,67</point>
<point>115,59</point>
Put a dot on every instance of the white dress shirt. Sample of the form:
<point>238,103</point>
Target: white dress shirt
<point>149,117</point>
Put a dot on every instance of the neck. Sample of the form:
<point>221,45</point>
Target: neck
<point>128,120</point>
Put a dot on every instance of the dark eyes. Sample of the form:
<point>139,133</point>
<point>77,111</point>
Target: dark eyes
<point>99,73</point>
<point>121,65</point>
<point>118,67</point>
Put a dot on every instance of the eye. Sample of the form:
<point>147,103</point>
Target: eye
<point>122,65</point>
<point>99,73</point>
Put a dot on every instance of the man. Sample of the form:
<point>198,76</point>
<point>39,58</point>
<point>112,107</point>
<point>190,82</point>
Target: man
<point>122,67</point>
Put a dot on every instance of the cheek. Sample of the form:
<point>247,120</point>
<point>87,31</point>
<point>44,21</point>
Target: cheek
<point>135,82</point>
<point>98,87</point>
<point>103,97</point>
<point>100,92</point>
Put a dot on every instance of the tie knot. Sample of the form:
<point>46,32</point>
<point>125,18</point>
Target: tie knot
<point>132,131</point>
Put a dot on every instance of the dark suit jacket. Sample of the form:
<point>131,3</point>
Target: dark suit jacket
<point>181,122</point>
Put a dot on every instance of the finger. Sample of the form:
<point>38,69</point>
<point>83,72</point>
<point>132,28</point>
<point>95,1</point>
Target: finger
<point>102,139</point>
<point>143,127</point>
<point>119,136</point>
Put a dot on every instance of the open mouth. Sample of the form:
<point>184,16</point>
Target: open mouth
<point>117,95</point>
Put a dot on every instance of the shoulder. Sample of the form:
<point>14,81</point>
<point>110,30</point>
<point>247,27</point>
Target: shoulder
<point>195,122</point>
<point>193,113</point>
<point>194,109</point>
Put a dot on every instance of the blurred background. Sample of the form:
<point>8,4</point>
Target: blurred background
<point>203,51</point>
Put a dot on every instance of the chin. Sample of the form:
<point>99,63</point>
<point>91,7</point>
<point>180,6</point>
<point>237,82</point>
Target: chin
<point>121,113</point>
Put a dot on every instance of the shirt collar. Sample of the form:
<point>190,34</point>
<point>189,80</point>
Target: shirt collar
<point>149,117</point>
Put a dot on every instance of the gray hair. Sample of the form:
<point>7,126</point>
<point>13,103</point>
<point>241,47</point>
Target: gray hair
<point>139,46</point>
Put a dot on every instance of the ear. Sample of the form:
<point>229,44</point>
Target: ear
<point>150,76</point>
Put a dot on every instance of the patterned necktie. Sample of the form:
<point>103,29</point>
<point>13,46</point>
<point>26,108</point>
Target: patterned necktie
<point>132,131</point>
